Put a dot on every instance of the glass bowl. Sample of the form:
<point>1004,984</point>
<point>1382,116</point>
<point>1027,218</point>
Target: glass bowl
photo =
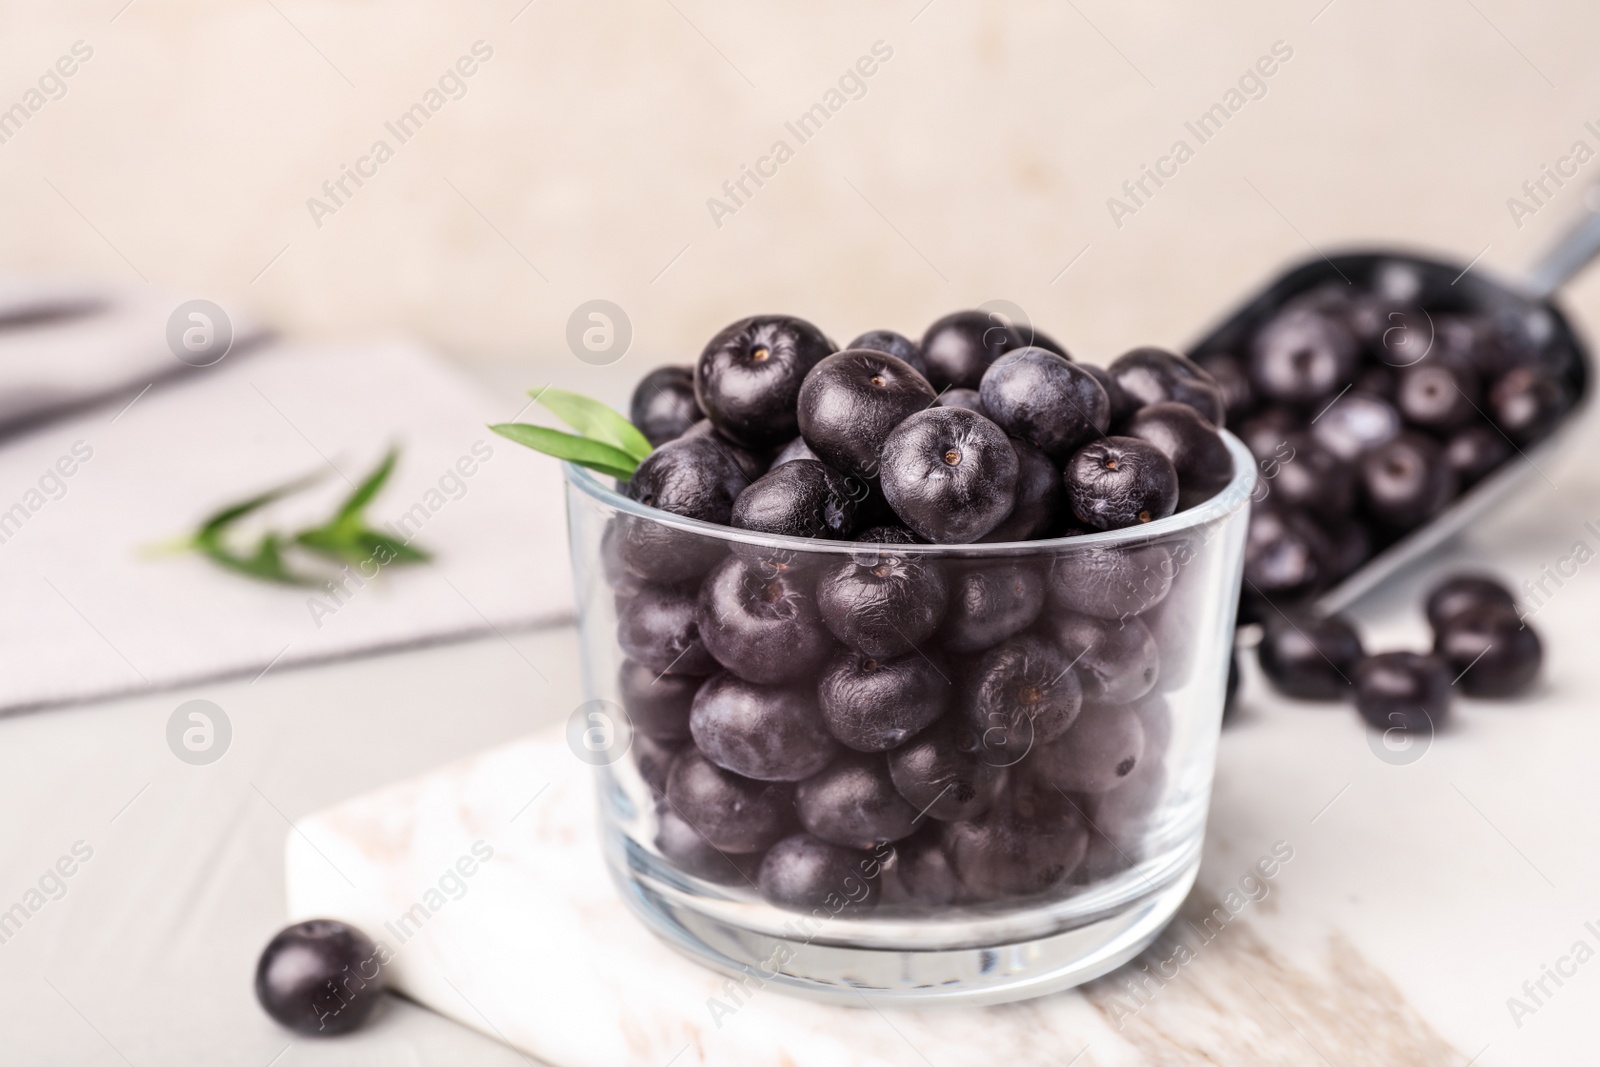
<point>972,773</point>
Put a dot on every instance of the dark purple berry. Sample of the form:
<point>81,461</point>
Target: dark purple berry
<point>960,347</point>
<point>770,733</point>
<point>1491,650</point>
<point>663,404</point>
<point>1233,380</point>
<point>1203,463</point>
<point>1040,397</point>
<point>1265,434</point>
<point>658,628</point>
<point>752,463</point>
<point>802,498</point>
<point>1437,396</point>
<point>946,772</point>
<point>1309,657</point>
<point>1040,502</point>
<point>897,345</point>
<point>1527,402</point>
<point>950,474</point>
<point>748,378</point>
<point>854,803</point>
<point>1121,404</point>
<point>873,705</point>
<point>1476,450</point>
<point>917,873</point>
<point>803,872</point>
<point>734,813</point>
<point>796,449</point>
<point>1407,481</point>
<point>883,602</point>
<point>761,621</point>
<point>321,977</point>
<point>1463,592</point>
<point>1120,481</point>
<point>690,852</point>
<point>1403,691</point>
<point>1111,583</point>
<point>1311,478</point>
<point>654,760</point>
<point>1023,692</point>
<point>1099,753</point>
<point>691,477</point>
<point>963,398</point>
<point>1286,554</point>
<point>1115,660</point>
<point>1152,375</point>
<point>1302,355</point>
<point>657,704</point>
<point>989,602</point>
<point>852,400</point>
<point>1030,842</point>
<point>1355,424</point>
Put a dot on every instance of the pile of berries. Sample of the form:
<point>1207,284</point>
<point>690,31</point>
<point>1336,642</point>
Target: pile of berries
<point>1374,391</point>
<point>1482,647</point>
<point>934,730</point>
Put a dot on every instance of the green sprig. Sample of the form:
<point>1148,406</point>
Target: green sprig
<point>604,442</point>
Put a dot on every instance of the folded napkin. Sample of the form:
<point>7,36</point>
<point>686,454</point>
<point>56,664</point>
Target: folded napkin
<point>91,612</point>
<point>67,343</point>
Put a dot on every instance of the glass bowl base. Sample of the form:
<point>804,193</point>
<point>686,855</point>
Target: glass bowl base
<point>903,977</point>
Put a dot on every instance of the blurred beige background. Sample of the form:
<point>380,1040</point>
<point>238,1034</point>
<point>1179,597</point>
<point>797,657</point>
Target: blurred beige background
<point>580,160</point>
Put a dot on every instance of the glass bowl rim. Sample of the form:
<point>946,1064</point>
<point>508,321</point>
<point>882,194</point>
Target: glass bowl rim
<point>1235,495</point>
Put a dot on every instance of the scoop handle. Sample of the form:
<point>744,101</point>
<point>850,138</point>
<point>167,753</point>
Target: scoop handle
<point>1571,253</point>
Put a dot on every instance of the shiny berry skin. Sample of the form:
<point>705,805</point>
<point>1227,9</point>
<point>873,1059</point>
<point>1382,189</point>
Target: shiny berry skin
<point>950,474</point>
<point>761,622</point>
<point>748,378</point>
<point>1437,396</point>
<point>1308,657</point>
<point>960,347</point>
<point>963,398</point>
<point>1045,400</point>
<point>1491,651</point>
<point>1463,592</point>
<point>1111,583</point>
<point>803,872</point>
<point>854,803</point>
<point>1121,404</point>
<point>1120,481</point>
<point>873,705</point>
<point>1355,424</point>
<point>658,628</point>
<point>1115,660</point>
<point>1302,355</point>
<point>917,873</point>
<point>1264,434</point>
<point>1203,463</point>
<point>1403,691</point>
<point>321,977</point>
<point>691,477</point>
<point>897,345</point>
<point>769,733</point>
<point>734,813</point>
<point>1309,477</point>
<point>990,602</point>
<point>850,402</point>
<point>653,759</point>
<point>1407,481</point>
<point>691,853</point>
<point>1099,753</point>
<point>1032,337</point>
<point>801,498</point>
<point>657,704</point>
<point>1152,375</point>
<point>1022,693</point>
<point>1476,450</point>
<point>1031,841</point>
<point>945,772</point>
<point>1527,402</point>
<point>1040,502</point>
<point>663,404</point>
<point>883,602</point>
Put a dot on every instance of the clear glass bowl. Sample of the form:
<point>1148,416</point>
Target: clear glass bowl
<point>1054,784</point>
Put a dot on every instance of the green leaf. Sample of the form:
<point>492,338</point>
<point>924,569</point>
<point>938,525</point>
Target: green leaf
<point>363,494</point>
<point>596,455</point>
<point>265,564</point>
<point>226,517</point>
<point>593,420</point>
<point>399,551</point>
